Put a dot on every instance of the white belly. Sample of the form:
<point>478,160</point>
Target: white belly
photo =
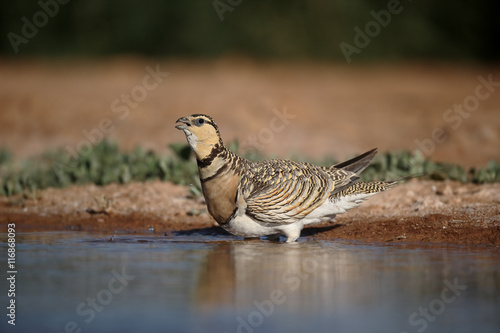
<point>243,225</point>
<point>329,209</point>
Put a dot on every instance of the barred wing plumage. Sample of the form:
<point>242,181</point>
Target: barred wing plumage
<point>283,192</point>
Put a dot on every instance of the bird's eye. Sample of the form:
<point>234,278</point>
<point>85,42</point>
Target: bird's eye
<point>199,121</point>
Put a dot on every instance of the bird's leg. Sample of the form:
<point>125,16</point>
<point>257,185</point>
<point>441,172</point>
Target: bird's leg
<point>292,236</point>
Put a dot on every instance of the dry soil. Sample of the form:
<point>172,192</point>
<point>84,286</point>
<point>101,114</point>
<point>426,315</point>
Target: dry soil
<point>333,109</point>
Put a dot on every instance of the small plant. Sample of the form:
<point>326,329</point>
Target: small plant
<point>106,164</point>
<point>5,156</point>
<point>490,174</point>
<point>103,203</point>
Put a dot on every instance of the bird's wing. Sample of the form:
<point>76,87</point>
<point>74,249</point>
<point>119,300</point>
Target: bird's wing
<point>283,192</point>
<point>345,174</point>
<point>358,163</point>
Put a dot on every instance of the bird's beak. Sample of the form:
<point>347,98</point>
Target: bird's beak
<point>185,123</point>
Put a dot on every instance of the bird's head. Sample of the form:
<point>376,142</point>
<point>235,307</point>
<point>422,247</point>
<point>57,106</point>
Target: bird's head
<point>201,133</point>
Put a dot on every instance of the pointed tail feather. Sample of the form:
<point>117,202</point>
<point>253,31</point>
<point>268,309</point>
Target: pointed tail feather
<point>359,163</point>
<point>365,188</point>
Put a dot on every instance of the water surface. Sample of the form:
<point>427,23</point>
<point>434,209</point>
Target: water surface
<point>71,281</point>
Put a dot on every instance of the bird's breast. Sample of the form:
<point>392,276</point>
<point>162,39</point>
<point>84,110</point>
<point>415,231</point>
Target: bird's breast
<point>220,195</point>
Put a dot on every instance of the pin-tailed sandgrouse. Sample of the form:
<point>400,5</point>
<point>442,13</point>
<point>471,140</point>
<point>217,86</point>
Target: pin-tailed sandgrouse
<point>255,199</point>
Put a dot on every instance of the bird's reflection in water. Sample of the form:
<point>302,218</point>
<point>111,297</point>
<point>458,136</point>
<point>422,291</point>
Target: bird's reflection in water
<point>313,277</point>
<point>293,276</point>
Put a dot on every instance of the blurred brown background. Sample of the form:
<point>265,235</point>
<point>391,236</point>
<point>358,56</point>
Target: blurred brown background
<point>76,64</point>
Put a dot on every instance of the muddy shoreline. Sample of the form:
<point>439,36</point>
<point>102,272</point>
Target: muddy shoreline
<point>427,212</point>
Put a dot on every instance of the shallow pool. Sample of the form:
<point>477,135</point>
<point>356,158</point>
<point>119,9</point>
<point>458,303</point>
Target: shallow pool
<point>85,282</point>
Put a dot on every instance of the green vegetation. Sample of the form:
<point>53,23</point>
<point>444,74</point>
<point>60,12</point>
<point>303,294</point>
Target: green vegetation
<point>106,164</point>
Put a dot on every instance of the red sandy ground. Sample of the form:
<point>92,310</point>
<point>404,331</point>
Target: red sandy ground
<point>338,110</point>
<point>417,211</point>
